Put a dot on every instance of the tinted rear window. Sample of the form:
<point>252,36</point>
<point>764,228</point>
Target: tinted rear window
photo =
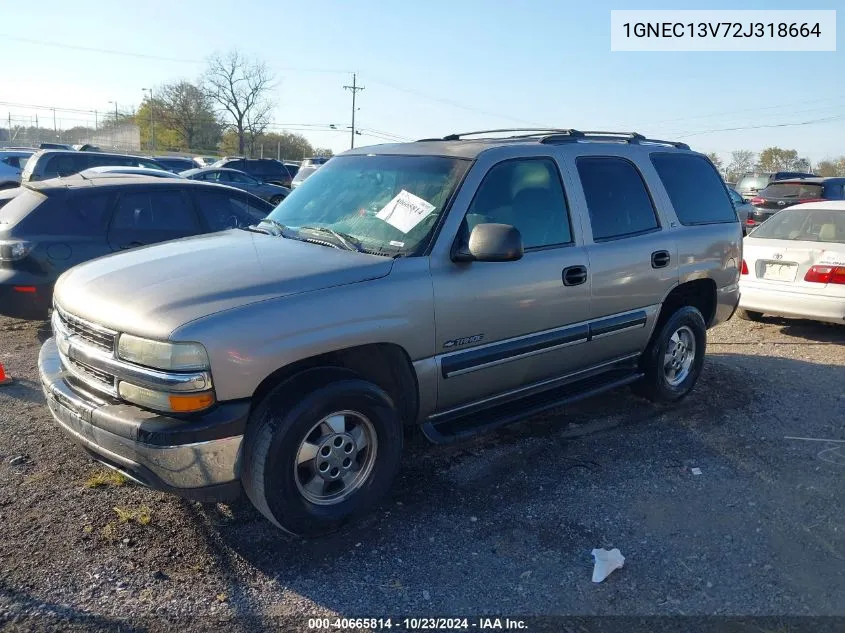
<point>617,199</point>
<point>796,190</point>
<point>65,164</point>
<point>695,189</point>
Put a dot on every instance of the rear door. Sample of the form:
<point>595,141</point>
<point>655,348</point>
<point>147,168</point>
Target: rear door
<point>147,216</point>
<point>632,255</point>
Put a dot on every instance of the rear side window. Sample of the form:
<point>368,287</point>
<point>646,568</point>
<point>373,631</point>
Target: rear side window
<point>65,165</point>
<point>695,189</point>
<point>155,211</point>
<point>617,199</point>
<point>92,208</point>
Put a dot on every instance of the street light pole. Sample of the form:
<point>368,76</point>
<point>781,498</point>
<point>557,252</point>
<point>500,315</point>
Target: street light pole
<point>114,127</point>
<point>152,117</point>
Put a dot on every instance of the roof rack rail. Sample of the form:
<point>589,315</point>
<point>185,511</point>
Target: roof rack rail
<point>533,131</point>
<point>569,136</point>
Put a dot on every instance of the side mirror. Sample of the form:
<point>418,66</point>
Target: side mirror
<point>492,243</point>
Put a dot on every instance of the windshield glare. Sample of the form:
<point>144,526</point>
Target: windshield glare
<point>388,204</point>
<point>816,225</point>
<point>753,182</point>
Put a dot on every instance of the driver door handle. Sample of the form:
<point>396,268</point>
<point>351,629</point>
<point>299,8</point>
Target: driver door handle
<point>574,275</point>
<point>660,259</point>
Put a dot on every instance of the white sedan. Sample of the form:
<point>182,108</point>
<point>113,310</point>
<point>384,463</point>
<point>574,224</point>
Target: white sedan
<point>794,264</point>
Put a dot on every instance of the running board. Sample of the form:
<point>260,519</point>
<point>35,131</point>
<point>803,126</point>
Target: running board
<point>460,427</point>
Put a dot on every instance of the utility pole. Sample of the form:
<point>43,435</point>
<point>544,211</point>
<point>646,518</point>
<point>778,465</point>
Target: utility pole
<point>37,131</point>
<point>354,88</point>
<point>55,128</point>
<point>95,121</point>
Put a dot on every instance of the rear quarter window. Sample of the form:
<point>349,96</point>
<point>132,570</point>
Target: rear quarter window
<point>19,206</point>
<point>695,189</point>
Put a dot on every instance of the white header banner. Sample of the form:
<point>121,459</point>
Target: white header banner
<point>728,30</point>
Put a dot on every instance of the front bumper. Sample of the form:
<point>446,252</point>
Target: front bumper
<point>790,303</point>
<point>197,457</point>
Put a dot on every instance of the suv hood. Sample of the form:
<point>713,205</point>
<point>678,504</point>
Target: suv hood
<point>151,291</point>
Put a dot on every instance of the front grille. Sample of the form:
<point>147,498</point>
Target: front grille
<point>99,337</point>
<point>100,376</point>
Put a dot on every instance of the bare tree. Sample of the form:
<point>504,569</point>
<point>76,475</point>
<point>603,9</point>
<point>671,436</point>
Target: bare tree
<point>189,111</point>
<point>240,87</point>
<point>742,160</point>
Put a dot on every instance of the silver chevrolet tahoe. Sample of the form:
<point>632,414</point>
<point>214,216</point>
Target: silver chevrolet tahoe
<point>451,284</point>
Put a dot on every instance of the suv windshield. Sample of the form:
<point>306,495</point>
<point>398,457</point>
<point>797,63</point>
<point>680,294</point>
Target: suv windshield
<point>807,225</point>
<point>388,204</point>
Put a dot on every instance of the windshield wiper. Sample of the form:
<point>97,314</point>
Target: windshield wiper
<point>282,228</point>
<point>346,240</point>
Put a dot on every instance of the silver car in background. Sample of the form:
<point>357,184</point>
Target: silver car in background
<point>743,209</point>
<point>794,265</point>
<point>12,163</point>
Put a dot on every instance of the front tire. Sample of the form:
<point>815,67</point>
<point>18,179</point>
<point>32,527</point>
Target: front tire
<point>317,461</point>
<point>674,358</point>
<point>276,200</point>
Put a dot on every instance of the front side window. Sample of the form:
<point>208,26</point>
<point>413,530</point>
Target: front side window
<point>223,210</point>
<point>526,194</point>
<point>386,204</point>
<point>617,200</point>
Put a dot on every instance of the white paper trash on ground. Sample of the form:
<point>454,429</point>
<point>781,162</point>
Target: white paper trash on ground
<point>606,562</point>
<point>695,471</point>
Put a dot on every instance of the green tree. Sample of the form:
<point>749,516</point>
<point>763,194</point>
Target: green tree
<point>148,118</point>
<point>777,159</point>
<point>831,167</point>
<point>714,158</point>
<point>187,110</point>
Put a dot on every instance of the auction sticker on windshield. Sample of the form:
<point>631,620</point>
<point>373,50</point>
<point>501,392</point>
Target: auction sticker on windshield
<point>405,211</point>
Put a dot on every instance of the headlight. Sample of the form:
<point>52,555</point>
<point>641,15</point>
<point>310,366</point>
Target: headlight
<point>160,355</point>
<point>12,250</point>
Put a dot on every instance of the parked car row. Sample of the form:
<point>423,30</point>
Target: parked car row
<point>46,227</point>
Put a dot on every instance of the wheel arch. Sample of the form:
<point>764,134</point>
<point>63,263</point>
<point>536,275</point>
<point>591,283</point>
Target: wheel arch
<point>698,293</point>
<point>384,364</point>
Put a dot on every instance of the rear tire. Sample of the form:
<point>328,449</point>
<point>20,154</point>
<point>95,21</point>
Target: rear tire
<point>313,462</point>
<point>674,358</point>
<point>749,315</point>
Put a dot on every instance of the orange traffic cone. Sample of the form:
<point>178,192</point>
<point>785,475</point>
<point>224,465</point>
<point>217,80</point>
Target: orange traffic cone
<point>4,379</point>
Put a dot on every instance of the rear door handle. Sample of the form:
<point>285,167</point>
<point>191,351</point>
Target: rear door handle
<point>574,275</point>
<point>660,259</point>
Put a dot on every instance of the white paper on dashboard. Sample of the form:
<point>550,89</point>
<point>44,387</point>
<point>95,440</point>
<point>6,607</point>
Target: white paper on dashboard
<point>405,211</point>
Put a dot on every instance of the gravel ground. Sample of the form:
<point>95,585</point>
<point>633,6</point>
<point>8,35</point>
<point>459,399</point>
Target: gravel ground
<point>501,525</point>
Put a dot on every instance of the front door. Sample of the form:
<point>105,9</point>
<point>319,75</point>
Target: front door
<point>500,326</point>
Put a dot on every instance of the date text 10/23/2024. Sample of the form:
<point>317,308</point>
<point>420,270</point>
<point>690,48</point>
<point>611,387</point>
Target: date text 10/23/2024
<point>417,624</point>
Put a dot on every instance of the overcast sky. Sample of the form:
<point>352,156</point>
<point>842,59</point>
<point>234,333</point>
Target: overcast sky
<point>429,68</point>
